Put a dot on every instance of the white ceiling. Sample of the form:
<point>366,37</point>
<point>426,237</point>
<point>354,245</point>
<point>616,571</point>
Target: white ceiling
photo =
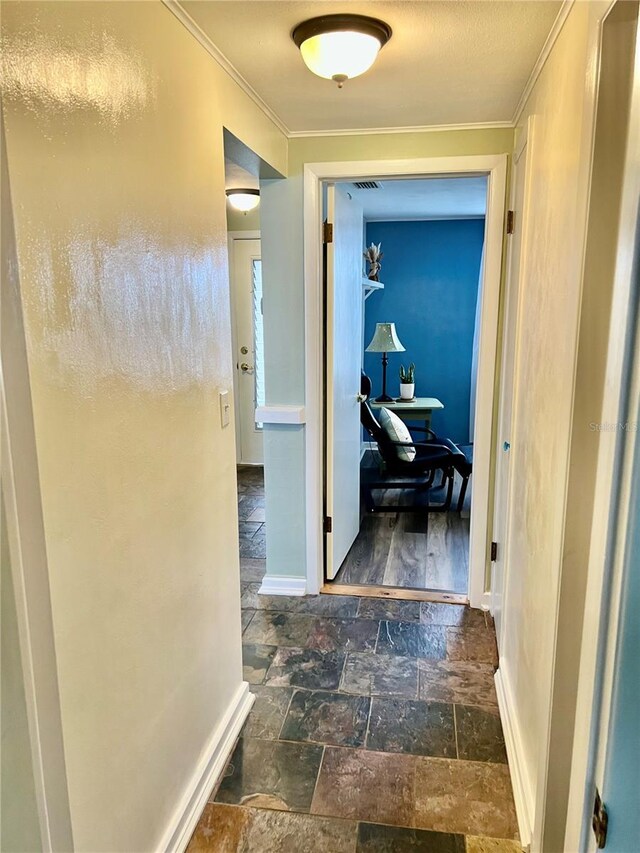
<point>448,61</point>
<point>432,198</point>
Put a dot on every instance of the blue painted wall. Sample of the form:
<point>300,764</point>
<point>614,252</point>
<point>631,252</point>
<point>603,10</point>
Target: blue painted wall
<point>430,272</point>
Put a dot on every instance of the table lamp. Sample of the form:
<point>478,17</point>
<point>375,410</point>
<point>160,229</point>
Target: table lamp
<point>384,340</point>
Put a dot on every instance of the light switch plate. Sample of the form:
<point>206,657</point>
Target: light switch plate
<point>225,408</point>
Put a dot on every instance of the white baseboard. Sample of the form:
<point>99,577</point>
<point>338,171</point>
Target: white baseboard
<point>522,790</point>
<point>282,585</point>
<point>211,766</point>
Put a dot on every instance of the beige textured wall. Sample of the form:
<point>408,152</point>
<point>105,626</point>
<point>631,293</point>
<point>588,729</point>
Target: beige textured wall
<point>392,146</point>
<point>114,120</point>
<point>604,211</point>
<point>551,292</point>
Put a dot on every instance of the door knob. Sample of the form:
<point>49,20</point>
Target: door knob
<point>246,368</point>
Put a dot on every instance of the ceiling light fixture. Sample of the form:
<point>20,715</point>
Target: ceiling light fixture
<point>243,199</point>
<point>338,47</point>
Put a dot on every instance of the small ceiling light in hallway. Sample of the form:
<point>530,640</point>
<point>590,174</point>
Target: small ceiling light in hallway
<point>243,199</point>
<point>338,47</point>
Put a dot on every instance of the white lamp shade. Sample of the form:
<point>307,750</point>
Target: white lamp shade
<point>244,200</point>
<point>341,55</point>
<point>385,339</point>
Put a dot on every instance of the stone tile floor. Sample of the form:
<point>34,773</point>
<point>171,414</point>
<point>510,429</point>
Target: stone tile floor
<point>251,525</point>
<point>375,728</point>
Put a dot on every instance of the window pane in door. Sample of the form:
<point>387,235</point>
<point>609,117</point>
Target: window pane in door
<point>258,336</point>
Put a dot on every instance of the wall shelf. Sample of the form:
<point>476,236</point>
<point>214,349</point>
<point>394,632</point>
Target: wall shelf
<point>370,287</point>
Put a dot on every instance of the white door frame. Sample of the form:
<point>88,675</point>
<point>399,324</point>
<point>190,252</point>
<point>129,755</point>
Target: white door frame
<point>20,477</point>
<point>232,238</point>
<point>494,166</point>
<point>513,281</point>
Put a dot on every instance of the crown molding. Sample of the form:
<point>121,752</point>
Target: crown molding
<point>203,39</point>
<point>547,47</point>
<point>372,131</point>
<point>176,8</point>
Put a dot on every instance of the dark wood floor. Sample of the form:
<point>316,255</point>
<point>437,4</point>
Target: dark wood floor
<point>412,550</point>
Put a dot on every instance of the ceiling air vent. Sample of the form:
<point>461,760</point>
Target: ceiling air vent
<point>367,185</point>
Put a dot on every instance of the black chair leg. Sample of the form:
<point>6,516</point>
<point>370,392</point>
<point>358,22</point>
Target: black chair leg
<point>447,503</point>
<point>443,480</point>
<point>367,495</point>
<point>447,479</point>
<point>463,492</point>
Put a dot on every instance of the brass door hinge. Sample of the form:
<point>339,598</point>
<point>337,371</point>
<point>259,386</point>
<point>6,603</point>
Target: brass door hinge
<point>600,821</point>
<point>328,524</point>
<point>511,221</point>
<point>327,232</point>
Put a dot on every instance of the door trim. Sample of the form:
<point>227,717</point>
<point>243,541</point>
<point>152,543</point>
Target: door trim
<point>26,543</point>
<point>513,278</point>
<point>494,166</point>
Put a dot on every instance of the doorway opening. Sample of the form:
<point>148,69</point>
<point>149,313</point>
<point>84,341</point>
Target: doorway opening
<point>242,171</point>
<point>416,335</point>
<point>353,468</point>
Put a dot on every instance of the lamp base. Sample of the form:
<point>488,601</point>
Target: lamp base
<point>384,398</point>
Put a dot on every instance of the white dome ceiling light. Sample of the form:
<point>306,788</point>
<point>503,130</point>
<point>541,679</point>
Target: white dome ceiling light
<point>338,47</point>
<point>243,199</point>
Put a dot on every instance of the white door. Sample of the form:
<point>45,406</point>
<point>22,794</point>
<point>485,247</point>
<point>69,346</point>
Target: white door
<point>344,357</point>
<point>508,375</point>
<point>246,276</point>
